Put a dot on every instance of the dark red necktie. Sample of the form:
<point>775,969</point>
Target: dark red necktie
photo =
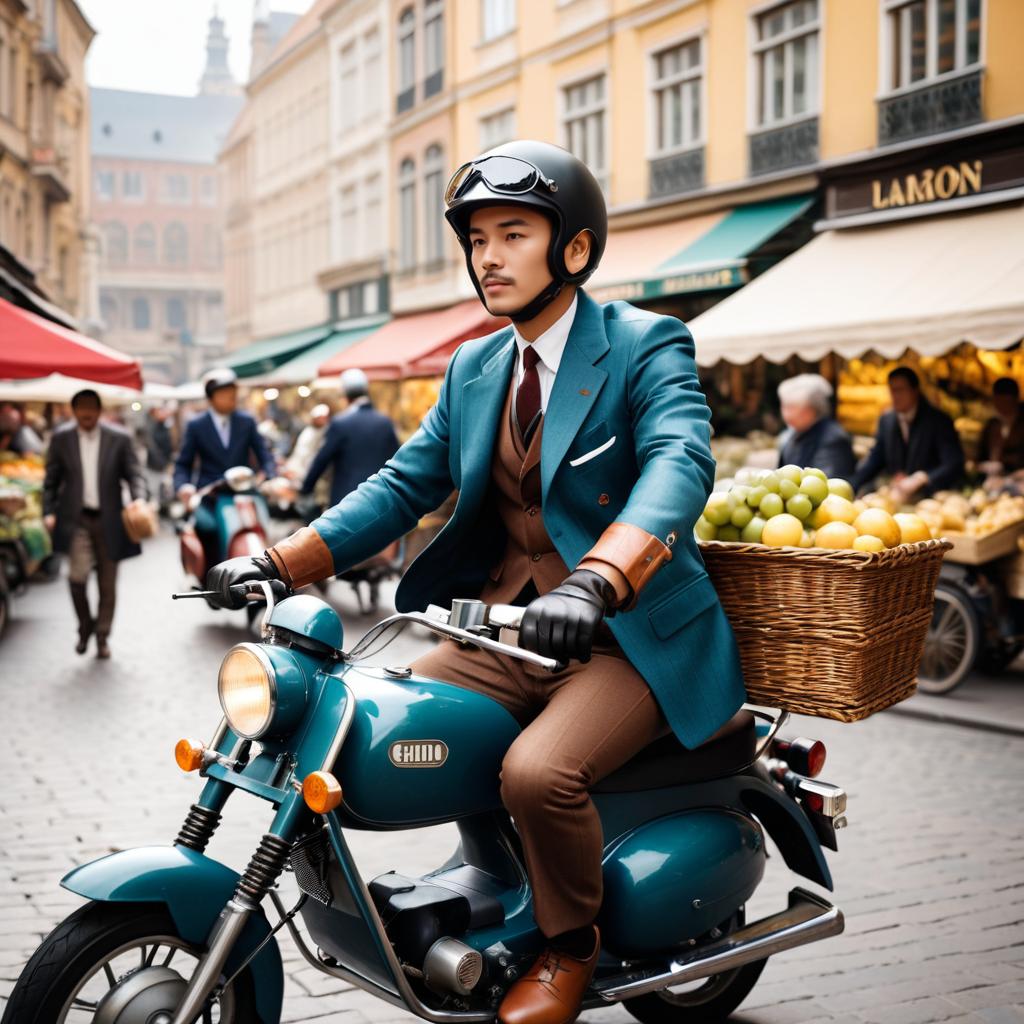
<point>528,395</point>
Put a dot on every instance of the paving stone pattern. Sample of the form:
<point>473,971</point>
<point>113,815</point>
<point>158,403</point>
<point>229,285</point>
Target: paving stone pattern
<point>930,873</point>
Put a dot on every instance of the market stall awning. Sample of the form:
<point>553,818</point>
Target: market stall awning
<point>267,354</point>
<point>55,387</point>
<point>303,368</point>
<point>418,345</point>
<point>32,347</point>
<point>926,285</point>
<point>707,252</point>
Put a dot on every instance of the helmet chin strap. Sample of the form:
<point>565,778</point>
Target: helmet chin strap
<point>538,303</point>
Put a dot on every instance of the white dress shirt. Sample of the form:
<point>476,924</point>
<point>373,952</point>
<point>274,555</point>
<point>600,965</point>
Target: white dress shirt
<point>223,425</point>
<point>89,452</point>
<point>549,347</point>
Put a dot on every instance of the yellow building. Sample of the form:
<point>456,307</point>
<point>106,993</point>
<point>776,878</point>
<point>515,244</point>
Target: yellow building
<point>46,244</point>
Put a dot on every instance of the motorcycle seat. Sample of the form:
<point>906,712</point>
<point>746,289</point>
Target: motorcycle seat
<point>666,762</point>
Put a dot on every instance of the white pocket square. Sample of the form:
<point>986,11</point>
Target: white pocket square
<point>592,454</point>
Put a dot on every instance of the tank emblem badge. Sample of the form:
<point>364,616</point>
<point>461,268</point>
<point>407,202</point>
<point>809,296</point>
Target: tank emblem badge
<point>418,753</point>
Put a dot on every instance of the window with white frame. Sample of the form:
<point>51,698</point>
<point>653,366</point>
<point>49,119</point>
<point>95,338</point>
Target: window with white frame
<point>372,83</point>
<point>407,50</point>
<point>786,57</point>
<point>433,37</point>
<point>433,203</point>
<point>105,185</point>
<point>583,122</point>
<point>677,95</point>
<point>929,38</point>
<point>348,223</point>
<point>497,128</point>
<point>348,87</point>
<point>497,18</point>
<point>131,185</point>
<point>176,188</point>
<point>407,215</point>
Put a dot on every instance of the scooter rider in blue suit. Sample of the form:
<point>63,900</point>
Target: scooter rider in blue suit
<point>220,438</point>
<point>578,439</point>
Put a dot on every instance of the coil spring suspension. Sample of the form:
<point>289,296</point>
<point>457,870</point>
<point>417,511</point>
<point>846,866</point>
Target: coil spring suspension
<point>199,826</point>
<point>267,863</point>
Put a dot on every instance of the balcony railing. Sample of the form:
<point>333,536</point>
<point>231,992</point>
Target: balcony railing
<point>52,167</point>
<point>779,149</point>
<point>675,174</point>
<point>930,108</point>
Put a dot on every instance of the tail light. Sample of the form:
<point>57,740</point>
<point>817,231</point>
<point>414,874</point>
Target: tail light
<point>806,757</point>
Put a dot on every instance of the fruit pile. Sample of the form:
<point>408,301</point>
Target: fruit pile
<point>794,507</point>
<point>977,515</point>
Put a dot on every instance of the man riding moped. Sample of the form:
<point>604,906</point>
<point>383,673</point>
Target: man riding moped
<point>579,442</point>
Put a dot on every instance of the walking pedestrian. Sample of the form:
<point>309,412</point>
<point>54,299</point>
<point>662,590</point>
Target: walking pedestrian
<point>85,466</point>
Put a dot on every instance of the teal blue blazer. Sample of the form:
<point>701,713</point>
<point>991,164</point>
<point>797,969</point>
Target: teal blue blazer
<point>627,385</point>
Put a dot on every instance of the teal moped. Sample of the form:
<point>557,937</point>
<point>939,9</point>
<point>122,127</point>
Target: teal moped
<point>171,936</point>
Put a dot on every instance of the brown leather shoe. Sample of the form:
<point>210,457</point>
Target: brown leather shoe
<point>552,990</point>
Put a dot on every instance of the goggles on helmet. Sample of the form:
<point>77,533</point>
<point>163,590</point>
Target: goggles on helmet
<point>508,175</point>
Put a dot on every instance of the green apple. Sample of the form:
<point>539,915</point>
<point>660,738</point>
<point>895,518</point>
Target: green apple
<point>728,533</point>
<point>791,472</point>
<point>819,473</point>
<point>787,488</point>
<point>815,488</point>
<point>771,482</point>
<point>741,515</point>
<point>800,506</point>
<point>739,492</point>
<point>771,505</point>
<point>719,508</point>
<point>755,495</point>
<point>705,530</point>
<point>751,533</point>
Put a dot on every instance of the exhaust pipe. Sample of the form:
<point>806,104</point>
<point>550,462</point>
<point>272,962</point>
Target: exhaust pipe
<point>807,919</point>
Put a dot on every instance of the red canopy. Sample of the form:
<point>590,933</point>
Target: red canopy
<point>417,345</point>
<point>31,346</point>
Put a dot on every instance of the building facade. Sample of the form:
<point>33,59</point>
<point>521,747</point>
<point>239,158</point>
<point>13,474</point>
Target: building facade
<point>277,184</point>
<point>158,205</point>
<point>45,241</point>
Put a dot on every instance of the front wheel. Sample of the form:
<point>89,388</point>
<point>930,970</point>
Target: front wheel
<point>951,645</point>
<point>710,1000</point>
<point>121,962</point>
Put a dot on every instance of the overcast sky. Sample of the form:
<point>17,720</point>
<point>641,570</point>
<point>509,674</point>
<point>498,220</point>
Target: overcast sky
<point>160,45</point>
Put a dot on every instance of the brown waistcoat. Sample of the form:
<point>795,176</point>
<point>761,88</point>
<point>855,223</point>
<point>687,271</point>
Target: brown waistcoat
<point>515,485</point>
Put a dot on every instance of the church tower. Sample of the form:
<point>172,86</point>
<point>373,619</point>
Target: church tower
<point>262,43</point>
<point>217,80</point>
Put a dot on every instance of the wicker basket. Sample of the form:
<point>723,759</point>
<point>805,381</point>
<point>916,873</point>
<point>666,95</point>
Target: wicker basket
<point>837,634</point>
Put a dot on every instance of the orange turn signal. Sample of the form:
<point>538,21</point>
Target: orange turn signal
<point>189,754</point>
<point>321,791</point>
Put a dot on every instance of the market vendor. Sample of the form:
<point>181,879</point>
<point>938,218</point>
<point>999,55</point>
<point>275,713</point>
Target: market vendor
<point>812,436</point>
<point>15,434</point>
<point>916,444</point>
<point>1002,441</point>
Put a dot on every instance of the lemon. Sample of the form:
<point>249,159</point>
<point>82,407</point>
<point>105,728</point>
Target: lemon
<point>840,487</point>
<point>912,528</point>
<point>783,531</point>
<point>705,530</point>
<point>807,540</point>
<point>865,542</point>
<point>835,509</point>
<point>819,473</point>
<point>878,523</point>
<point>835,535</point>
<point>771,505</point>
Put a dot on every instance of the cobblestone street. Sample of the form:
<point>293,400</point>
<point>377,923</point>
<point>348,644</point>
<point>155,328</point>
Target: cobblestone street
<point>930,873</point>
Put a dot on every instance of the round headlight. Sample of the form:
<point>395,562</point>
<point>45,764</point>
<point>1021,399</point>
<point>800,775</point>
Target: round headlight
<point>247,688</point>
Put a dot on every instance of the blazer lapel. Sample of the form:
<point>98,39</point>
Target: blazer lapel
<point>75,464</point>
<point>483,398</point>
<point>577,385</point>
<point>106,443</point>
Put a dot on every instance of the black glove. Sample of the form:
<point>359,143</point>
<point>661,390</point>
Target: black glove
<point>562,623</point>
<point>223,576</point>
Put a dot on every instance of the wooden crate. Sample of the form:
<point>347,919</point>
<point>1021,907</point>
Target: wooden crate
<point>1011,570</point>
<point>969,550</point>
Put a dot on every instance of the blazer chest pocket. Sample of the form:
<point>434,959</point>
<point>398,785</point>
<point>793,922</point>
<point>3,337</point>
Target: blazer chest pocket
<point>682,605</point>
<point>591,447</point>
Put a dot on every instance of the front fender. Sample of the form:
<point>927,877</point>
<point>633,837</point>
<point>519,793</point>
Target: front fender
<point>194,888</point>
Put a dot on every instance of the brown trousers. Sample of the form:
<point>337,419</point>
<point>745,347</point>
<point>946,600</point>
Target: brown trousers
<point>88,551</point>
<point>579,726</point>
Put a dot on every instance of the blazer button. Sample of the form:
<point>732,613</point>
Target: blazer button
<point>536,556</point>
<point>532,510</point>
<point>603,499</point>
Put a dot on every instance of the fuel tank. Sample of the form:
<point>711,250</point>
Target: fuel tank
<point>676,878</point>
<point>419,751</point>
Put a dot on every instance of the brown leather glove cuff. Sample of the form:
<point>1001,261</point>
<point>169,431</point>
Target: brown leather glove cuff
<point>635,553</point>
<point>302,558</point>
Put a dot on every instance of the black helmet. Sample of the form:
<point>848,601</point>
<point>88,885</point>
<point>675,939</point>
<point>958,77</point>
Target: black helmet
<point>547,178</point>
<point>221,377</point>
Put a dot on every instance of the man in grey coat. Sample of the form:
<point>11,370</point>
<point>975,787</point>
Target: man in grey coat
<point>85,466</point>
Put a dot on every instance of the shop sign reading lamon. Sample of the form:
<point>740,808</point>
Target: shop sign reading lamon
<point>931,184</point>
